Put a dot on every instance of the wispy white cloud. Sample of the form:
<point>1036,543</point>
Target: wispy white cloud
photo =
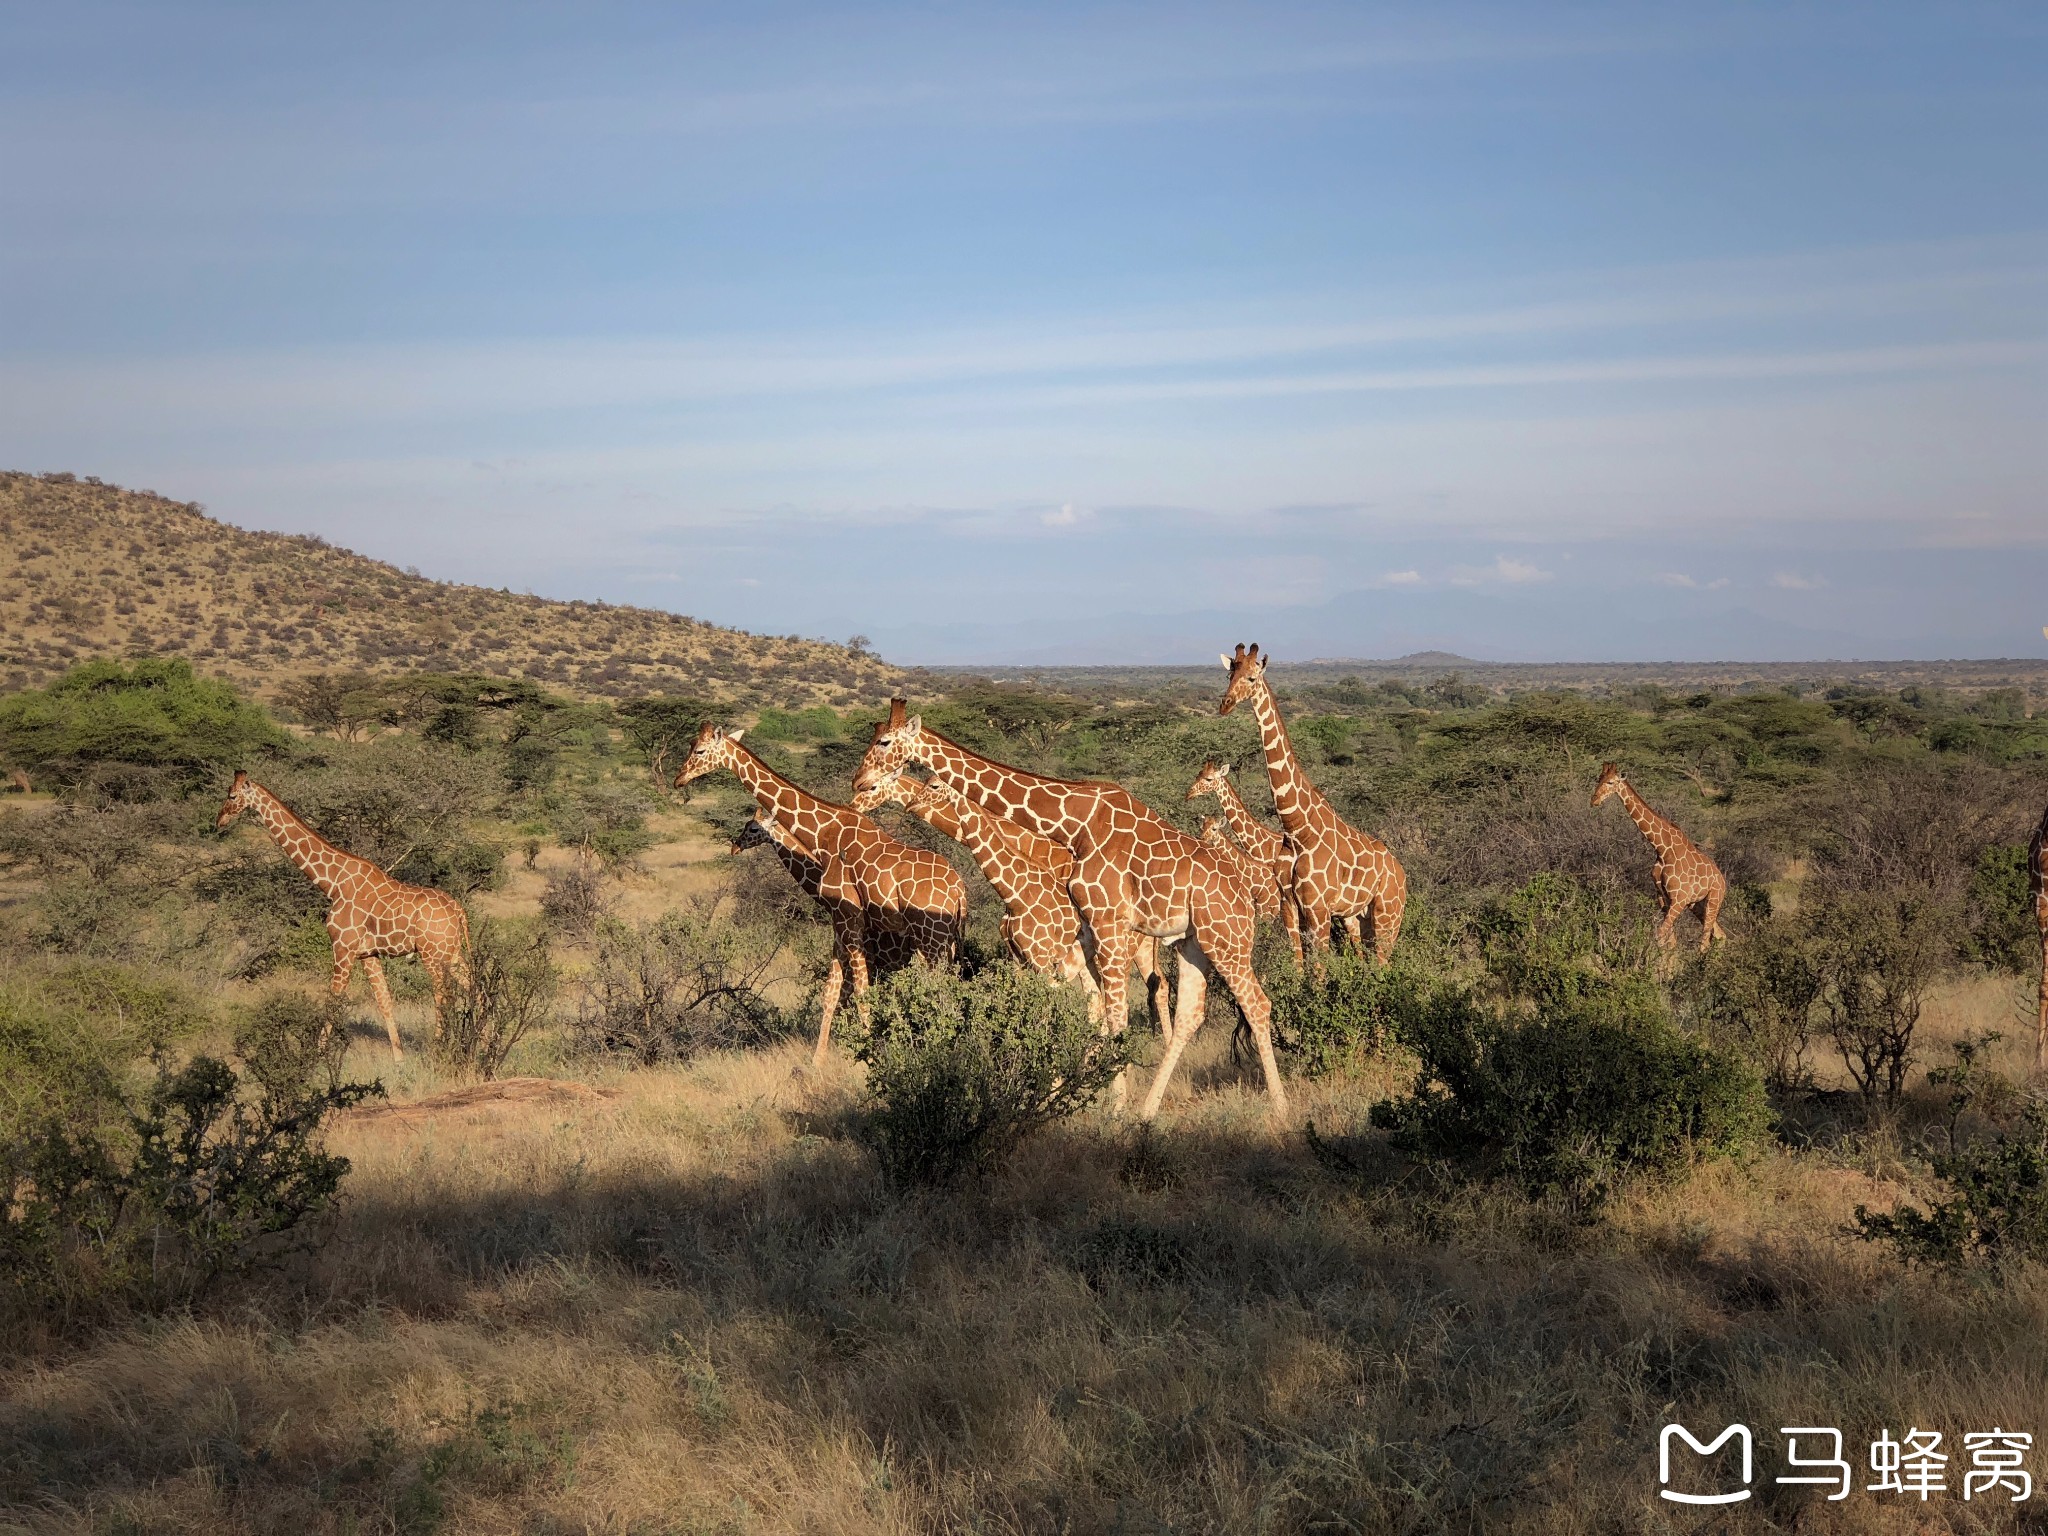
<point>1401,579</point>
<point>1505,570</point>
<point>1792,581</point>
<point>1680,579</point>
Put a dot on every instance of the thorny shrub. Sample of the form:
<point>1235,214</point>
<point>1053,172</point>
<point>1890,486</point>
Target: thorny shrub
<point>690,981</point>
<point>510,988</point>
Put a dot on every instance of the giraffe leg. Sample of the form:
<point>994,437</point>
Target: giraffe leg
<point>1290,919</point>
<point>1112,960</point>
<point>1386,924</point>
<point>337,986</point>
<point>1354,930</point>
<point>1189,1008</point>
<point>1234,962</point>
<point>1667,934</point>
<point>1710,920</point>
<point>437,969</point>
<point>2041,1026</point>
<point>835,984</point>
<point>1158,996</point>
<point>374,969</point>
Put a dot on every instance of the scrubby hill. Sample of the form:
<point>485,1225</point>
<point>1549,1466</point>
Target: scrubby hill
<point>91,569</point>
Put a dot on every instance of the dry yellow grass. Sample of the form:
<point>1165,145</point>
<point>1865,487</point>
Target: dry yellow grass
<point>89,569</point>
<point>691,1306</point>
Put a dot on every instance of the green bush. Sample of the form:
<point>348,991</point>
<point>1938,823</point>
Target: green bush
<point>1555,944</point>
<point>122,1199</point>
<point>72,1038</point>
<point>961,1071</point>
<point>1997,1215</point>
<point>1757,998</point>
<point>2003,935</point>
<point>153,711</point>
<point>1570,1101</point>
<point>818,723</point>
<point>1343,1008</point>
<point>512,982</point>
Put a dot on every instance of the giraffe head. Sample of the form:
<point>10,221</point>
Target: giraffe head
<point>239,799</point>
<point>1247,671</point>
<point>896,742</point>
<point>1610,782</point>
<point>712,750</point>
<point>891,786</point>
<point>1213,833</point>
<point>752,835</point>
<point>1209,781</point>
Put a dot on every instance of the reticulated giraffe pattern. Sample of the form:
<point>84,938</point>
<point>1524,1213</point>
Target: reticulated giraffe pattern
<point>369,914</point>
<point>886,951</point>
<point>1030,874</point>
<point>1340,873</point>
<point>1687,880</point>
<point>1134,873</point>
<point>1270,854</point>
<point>867,878</point>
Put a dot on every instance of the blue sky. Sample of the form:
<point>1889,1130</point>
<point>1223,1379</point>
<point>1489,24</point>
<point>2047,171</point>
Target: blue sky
<point>1088,333</point>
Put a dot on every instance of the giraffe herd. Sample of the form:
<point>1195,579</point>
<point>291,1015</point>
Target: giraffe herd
<point>1093,882</point>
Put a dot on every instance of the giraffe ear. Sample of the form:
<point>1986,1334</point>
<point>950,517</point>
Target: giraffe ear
<point>914,724</point>
<point>1224,657</point>
<point>1224,770</point>
<point>736,735</point>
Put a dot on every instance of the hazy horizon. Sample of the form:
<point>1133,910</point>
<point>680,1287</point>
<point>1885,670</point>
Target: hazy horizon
<point>1530,333</point>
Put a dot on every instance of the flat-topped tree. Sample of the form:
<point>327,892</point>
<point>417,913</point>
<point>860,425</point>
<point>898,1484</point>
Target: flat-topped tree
<point>1030,874</point>
<point>867,879</point>
<point>369,914</point>
<point>1340,873</point>
<point>1262,846</point>
<point>1134,873</point>
<point>1687,880</point>
<point>2037,882</point>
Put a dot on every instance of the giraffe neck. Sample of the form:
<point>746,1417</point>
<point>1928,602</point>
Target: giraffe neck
<point>301,844</point>
<point>1659,833</point>
<point>1053,808</point>
<point>1294,798</point>
<point>1237,813</point>
<point>800,814</point>
<point>998,846</point>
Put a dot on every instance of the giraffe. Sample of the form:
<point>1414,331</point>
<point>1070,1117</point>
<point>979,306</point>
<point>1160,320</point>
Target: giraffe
<point>1031,875</point>
<point>369,914</point>
<point>1134,873</point>
<point>886,951</point>
<point>866,876</point>
<point>1687,880</point>
<point>1266,850</point>
<point>2037,882</point>
<point>1339,872</point>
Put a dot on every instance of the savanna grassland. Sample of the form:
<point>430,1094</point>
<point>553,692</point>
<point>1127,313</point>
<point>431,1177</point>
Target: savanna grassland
<point>624,1267</point>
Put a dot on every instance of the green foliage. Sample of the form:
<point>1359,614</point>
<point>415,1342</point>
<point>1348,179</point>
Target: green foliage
<point>661,730</point>
<point>1558,945</point>
<point>153,711</point>
<point>406,806</point>
<point>511,986</point>
<point>1343,1008</point>
<point>203,1175</point>
<point>1996,1213</point>
<point>2003,934</point>
<point>961,1071</point>
<point>71,1036</point>
<point>818,723</point>
<point>1757,997</point>
<point>1575,1101</point>
<point>1878,952</point>
<point>691,981</point>
<point>607,820</point>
